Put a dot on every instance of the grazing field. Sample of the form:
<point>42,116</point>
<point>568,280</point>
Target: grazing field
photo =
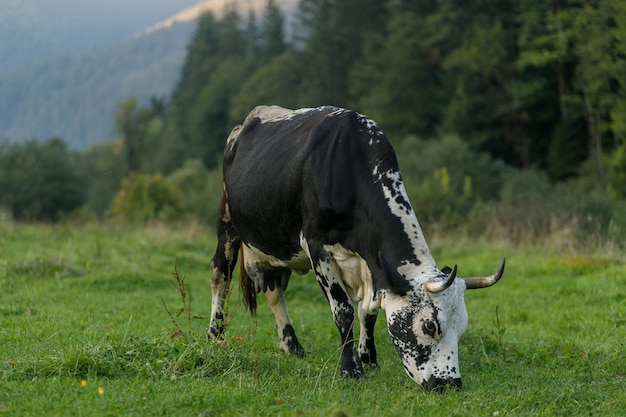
<point>87,328</point>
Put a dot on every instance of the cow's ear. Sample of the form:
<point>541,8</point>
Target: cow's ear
<point>393,280</point>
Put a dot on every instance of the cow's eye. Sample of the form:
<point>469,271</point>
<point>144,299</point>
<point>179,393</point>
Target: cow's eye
<point>430,328</point>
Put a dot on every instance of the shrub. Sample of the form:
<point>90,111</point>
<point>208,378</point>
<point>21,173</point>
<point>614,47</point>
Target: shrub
<point>143,198</point>
<point>201,189</point>
<point>39,181</point>
<point>563,215</point>
<point>445,178</point>
<point>616,171</point>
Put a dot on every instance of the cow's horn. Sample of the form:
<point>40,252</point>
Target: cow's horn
<point>438,286</point>
<point>484,282</point>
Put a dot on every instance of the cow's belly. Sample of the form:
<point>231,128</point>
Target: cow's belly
<point>299,263</point>
<point>266,217</point>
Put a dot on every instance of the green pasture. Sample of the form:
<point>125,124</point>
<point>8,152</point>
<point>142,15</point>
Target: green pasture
<point>87,328</point>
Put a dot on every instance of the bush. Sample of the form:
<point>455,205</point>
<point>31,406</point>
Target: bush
<point>143,198</point>
<point>616,171</point>
<point>201,189</point>
<point>564,215</point>
<point>39,181</point>
<point>445,178</point>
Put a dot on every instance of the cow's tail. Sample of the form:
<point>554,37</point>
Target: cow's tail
<point>248,291</point>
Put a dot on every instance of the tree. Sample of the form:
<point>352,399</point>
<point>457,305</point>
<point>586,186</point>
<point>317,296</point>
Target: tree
<point>219,59</point>
<point>278,83</point>
<point>40,181</point>
<point>200,61</point>
<point>618,113</point>
<point>128,127</point>
<point>103,167</point>
<point>446,67</point>
<point>544,88</point>
<point>335,33</point>
<point>397,79</point>
<point>478,63</point>
<point>210,122</point>
<point>272,32</point>
<point>593,75</point>
<point>141,131</point>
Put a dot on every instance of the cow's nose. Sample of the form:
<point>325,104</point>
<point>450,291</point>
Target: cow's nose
<point>442,384</point>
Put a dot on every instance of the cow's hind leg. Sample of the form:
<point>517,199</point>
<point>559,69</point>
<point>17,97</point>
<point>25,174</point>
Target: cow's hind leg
<point>367,347</point>
<point>286,333</point>
<point>223,264</point>
<point>273,282</point>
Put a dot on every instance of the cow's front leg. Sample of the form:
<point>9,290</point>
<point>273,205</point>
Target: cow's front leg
<point>329,279</point>
<point>367,347</point>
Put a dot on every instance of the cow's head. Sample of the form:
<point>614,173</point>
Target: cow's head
<point>426,317</point>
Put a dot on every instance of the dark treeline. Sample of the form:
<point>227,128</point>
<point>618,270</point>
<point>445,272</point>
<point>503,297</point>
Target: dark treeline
<point>475,95</point>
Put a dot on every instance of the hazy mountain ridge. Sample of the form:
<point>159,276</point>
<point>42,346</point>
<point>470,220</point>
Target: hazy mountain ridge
<point>34,31</point>
<point>217,7</point>
<point>73,96</point>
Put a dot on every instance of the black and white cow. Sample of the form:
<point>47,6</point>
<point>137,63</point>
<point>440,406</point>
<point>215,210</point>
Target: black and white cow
<point>320,188</point>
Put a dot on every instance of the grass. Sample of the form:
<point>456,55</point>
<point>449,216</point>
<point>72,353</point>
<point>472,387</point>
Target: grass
<point>86,329</point>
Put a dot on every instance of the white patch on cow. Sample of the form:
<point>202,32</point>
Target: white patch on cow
<point>232,138</point>
<point>337,112</point>
<point>452,316</point>
<point>269,114</point>
<point>398,202</point>
<point>428,356</point>
<point>356,277</point>
<point>371,127</point>
<point>375,172</point>
<point>369,123</point>
<point>266,114</point>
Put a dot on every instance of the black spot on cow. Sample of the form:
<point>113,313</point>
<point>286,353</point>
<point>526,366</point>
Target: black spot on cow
<point>289,336</point>
<point>338,294</point>
<point>250,126</point>
<point>402,327</point>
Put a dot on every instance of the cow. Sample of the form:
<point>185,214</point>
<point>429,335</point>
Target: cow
<point>320,188</point>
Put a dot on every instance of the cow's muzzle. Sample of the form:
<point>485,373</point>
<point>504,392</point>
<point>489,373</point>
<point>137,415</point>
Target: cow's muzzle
<point>441,384</point>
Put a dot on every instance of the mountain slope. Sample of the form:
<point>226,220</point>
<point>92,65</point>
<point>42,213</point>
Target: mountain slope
<point>35,31</point>
<point>217,7</point>
<point>74,97</point>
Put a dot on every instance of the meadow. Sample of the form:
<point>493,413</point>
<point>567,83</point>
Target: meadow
<point>92,323</point>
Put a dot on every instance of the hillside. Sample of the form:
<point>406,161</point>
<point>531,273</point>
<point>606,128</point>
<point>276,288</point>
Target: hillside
<point>74,97</point>
<point>70,84</point>
<point>35,31</point>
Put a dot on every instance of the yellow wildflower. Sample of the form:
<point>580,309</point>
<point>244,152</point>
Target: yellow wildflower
<point>83,383</point>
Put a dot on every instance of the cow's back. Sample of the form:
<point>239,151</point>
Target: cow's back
<point>288,172</point>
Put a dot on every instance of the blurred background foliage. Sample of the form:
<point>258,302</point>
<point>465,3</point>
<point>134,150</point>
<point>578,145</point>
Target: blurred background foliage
<point>509,118</point>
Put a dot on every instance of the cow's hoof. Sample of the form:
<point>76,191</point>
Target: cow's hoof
<point>215,333</point>
<point>353,373</point>
<point>297,351</point>
<point>369,360</point>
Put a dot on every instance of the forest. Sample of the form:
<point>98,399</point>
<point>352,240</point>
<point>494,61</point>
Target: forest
<point>508,118</point>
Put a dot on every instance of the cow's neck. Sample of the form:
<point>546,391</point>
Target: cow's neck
<point>403,242</point>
